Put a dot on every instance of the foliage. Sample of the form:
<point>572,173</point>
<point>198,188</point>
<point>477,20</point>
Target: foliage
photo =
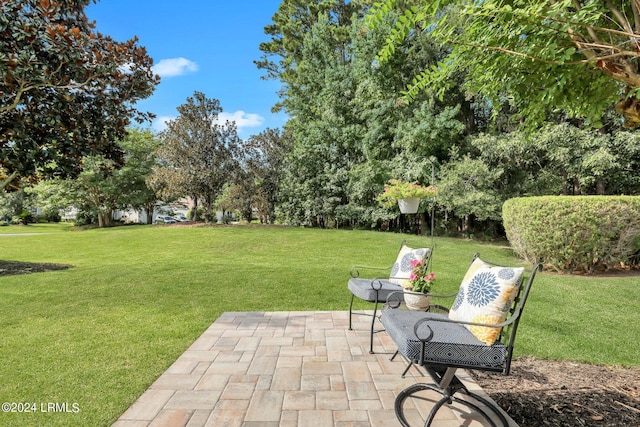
<point>192,215</point>
<point>467,188</point>
<point>139,194</point>
<point>97,189</point>
<point>51,196</point>
<point>419,280</point>
<point>292,23</point>
<point>11,204</point>
<point>264,158</point>
<point>66,91</point>
<point>349,133</point>
<point>235,197</point>
<point>198,155</point>
<point>397,189</point>
<point>322,130</point>
<point>575,233</point>
<point>23,217</point>
<point>103,186</point>
<point>579,57</point>
<point>588,162</point>
<point>555,159</point>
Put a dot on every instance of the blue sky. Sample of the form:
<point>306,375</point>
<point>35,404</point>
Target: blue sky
<point>200,45</point>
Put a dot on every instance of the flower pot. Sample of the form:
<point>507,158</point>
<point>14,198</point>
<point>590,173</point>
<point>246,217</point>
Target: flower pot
<point>408,206</point>
<point>416,301</point>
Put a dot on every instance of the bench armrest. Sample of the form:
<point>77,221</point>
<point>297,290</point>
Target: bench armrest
<point>396,298</point>
<point>355,270</point>
<point>417,325</point>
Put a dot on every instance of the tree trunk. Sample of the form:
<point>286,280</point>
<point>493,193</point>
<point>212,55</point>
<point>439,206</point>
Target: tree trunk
<point>104,219</point>
<point>149,210</point>
<point>194,210</point>
<point>576,186</point>
<point>600,187</point>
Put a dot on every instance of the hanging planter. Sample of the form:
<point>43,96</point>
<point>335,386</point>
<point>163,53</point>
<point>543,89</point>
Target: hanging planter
<point>406,194</point>
<point>409,206</point>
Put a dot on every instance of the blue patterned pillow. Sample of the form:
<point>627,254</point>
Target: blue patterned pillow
<point>401,269</point>
<point>485,296</point>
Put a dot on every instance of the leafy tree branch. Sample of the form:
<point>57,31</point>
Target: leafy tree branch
<point>556,45</point>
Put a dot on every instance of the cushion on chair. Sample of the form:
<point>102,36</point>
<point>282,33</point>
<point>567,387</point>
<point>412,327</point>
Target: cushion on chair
<point>451,344</point>
<point>363,289</point>
<point>485,296</point>
<point>401,269</point>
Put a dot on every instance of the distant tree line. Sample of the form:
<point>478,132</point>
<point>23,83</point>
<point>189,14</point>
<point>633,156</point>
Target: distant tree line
<point>354,123</point>
<point>352,129</point>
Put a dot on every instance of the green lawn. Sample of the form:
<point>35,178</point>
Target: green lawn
<point>99,334</point>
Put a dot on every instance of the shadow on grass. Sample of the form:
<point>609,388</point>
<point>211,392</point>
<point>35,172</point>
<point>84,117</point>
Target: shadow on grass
<point>10,268</point>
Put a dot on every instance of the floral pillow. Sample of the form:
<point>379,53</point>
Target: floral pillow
<point>485,296</point>
<point>401,269</point>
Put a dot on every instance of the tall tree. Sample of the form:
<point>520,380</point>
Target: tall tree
<point>291,23</point>
<point>66,91</point>
<point>198,155</point>
<point>345,114</point>
<point>264,161</point>
<point>139,147</point>
<point>578,56</point>
<point>322,128</point>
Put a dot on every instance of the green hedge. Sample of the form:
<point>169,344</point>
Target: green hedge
<point>575,233</point>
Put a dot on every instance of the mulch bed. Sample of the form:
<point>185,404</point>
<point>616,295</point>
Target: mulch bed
<point>542,393</point>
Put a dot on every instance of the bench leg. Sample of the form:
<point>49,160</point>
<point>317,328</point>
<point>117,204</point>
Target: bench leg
<point>373,324</point>
<point>351,312</point>
<point>447,398</point>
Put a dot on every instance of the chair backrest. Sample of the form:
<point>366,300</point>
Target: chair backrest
<point>401,268</point>
<point>514,314</point>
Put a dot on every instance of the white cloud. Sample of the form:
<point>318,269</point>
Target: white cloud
<point>160,123</point>
<point>242,119</point>
<point>174,67</point>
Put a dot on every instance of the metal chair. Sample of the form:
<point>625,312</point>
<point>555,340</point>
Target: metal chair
<point>442,345</point>
<point>377,289</point>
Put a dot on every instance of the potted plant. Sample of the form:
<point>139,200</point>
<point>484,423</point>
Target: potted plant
<point>417,286</point>
<point>406,194</point>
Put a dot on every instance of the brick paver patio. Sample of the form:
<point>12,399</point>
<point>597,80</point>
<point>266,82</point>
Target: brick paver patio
<point>284,369</point>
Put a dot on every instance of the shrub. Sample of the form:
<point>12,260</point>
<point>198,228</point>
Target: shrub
<point>575,233</point>
<point>24,217</point>
<point>191,213</point>
<point>52,215</point>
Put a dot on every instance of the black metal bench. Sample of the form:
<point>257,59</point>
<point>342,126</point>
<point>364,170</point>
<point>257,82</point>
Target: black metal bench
<point>442,343</point>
